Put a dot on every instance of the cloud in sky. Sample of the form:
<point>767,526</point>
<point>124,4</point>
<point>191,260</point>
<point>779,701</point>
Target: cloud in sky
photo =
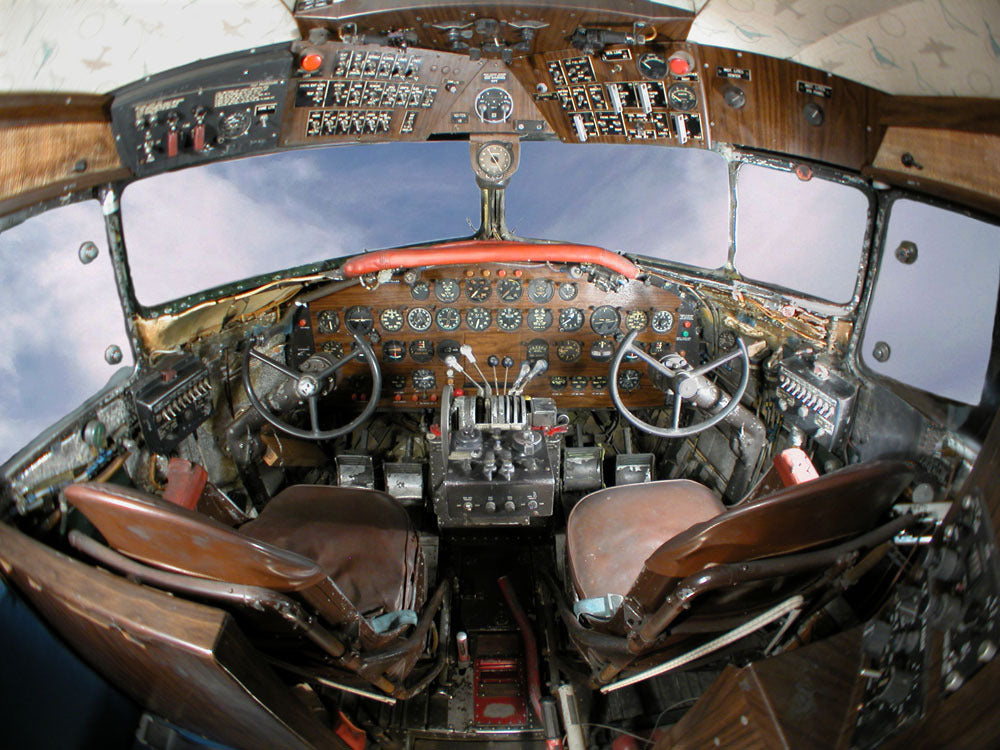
<point>58,317</point>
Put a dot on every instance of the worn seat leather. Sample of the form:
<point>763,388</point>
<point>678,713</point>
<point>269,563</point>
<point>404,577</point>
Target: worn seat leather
<point>362,539</point>
<point>611,532</point>
<point>306,538</point>
<point>675,528</point>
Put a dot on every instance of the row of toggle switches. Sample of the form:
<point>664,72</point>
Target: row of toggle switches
<point>180,402</point>
<point>808,397</point>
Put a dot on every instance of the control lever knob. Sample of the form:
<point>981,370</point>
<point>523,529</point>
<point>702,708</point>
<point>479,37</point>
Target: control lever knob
<point>509,506</point>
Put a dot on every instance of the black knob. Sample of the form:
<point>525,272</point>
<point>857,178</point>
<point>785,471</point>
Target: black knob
<point>493,360</point>
<point>814,114</point>
<point>734,96</point>
<point>507,362</point>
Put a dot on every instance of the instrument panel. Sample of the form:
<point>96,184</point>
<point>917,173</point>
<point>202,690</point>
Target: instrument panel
<point>508,314</point>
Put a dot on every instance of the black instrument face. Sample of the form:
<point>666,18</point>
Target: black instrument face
<point>478,318</point>
<point>569,350</point>
<point>509,319</point>
<point>421,350</point>
<point>605,320</point>
<point>636,320</point>
<point>568,291</point>
<point>662,321</point>
<point>494,105</point>
<point>419,318</point>
<point>540,290</point>
<point>447,290</point>
<point>478,290</point>
<point>571,319</point>
<point>682,96</point>
<point>359,320</point>
<point>393,351</point>
<point>391,319</point>
<point>509,290</point>
<point>652,66</point>
<point>329,322</point>
<point>539,319</point>
<point>420,290</point>
<point>448,319</point>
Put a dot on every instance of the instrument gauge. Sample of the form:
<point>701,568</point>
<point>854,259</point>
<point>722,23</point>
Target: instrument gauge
<point>334,347</point>
<point>478,318</point>
<point>447,290</point>
<point>448,319</point>
<point>681,96</point>
<point>509,290</point>
<point>421,350</point>
<point>636,320</point>
<point>448,348</point>
<point>397,382</point>
<point>540,290</point>
<point>569,350</point>
<point>652,66</point>
<point>631,356</point>
<point>509,319</point>
<point>494,105</point>
<point>605,320</point>
<point>571,319</point>
<point>423,380</point>
<point>359,319</point>
<point>539,318</point>
<point>662,321</point>
<point>578,382</point>
<point>236,124</point>
<point>329,321</point>
<point>391,320</point>
<point>537,349</point>
<point>478,290</point>
<point>419,318</point>
<point>558,382</point>
<point>568,290</point>
<point>599,382</point>
<point>494,159</point>
<point>602,351</point>
<point>628,380</point>
<point>420,290</point>
<point>393,351</point>
<point>659,349</point>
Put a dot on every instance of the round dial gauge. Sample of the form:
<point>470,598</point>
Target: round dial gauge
<point>329,321</point>
<point>682,97</point>
<point>632,356</point>
<point>539,318</point>
<point>334,347</point>
<point>421,350</point>
<point>599,382</point>
<point>359,319</point>
<point>604,320</point>
<point>636,320</point>
<point>423,380</point>
<point>568,290</point>
<point>537,349</point>
<point>663,321</point>
<point>447,290</point>
<point>540,290</point>
<point>569,350</point>
<point>448,319</point>
<point>397,382</point>
<point>628,380</point>
<point>235,124</point>
<point>478,318</point>
<point>448,348</point>
<point>509,290</point>
<point>494,105</point>
<point>420,290</point>
<point>391,320</point>
<point>478,290</point>
<point>393,351</point>
<point>652,66</point>
<point>558,382</point>
<point>579,382</point>
<point>571,319</point>
<point>494,159</point>
<point>602,351</point>
<point>419,318</point>
<point>509,319</point>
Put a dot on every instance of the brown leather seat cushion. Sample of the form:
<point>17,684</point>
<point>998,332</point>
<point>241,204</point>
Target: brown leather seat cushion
<point>611,532</point>
<point>362,539</point>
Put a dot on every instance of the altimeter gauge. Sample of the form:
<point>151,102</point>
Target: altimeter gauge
<point>494,161</point>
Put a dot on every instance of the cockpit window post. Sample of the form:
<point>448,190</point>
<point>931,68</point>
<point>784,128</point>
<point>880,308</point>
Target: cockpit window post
<point>110,197</point>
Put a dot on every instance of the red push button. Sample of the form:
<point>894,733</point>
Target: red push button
<point>311,62</point>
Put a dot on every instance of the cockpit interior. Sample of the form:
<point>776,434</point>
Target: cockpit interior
<point>508,374</point>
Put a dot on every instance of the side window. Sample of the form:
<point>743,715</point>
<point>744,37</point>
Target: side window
<point>59,316</point>
<point>931,319</point>
<point>804,235</point>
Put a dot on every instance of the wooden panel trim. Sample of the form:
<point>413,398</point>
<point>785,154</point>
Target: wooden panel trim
<point>941,112</point>
<point>34,109</point>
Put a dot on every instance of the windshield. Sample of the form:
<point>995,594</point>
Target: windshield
<point>195,229</point>
<point>199,228</point>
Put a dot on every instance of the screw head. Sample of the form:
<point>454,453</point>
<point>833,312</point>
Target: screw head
<point>881,351</point>
<point>88,252</point>
<point>113,354</point>
<point>906,252</point>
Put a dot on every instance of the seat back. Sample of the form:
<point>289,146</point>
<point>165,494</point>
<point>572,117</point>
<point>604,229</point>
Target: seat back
<point>834,507</point>
<point>167,536</point>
